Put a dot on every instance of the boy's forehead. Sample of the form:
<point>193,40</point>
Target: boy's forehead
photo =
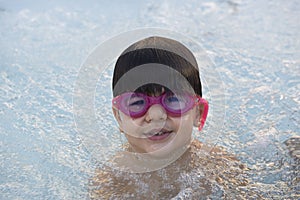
<point>156,75</point>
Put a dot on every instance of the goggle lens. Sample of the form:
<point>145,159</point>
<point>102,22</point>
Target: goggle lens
<point>137,104</point>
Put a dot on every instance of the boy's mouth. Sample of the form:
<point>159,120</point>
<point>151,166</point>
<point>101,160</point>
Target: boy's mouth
<point>156,135</point>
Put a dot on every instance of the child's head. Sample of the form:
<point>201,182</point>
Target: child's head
<point>159,101</point>
<point>157,50</point>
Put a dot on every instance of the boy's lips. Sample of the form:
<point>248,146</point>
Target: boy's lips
<point>158,134</point>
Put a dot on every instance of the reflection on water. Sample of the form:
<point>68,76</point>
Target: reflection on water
<point>255,46</point>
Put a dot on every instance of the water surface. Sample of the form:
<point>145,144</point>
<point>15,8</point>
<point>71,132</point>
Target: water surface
<point>256,49</point>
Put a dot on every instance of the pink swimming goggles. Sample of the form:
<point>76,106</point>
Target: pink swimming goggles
<point>136,105</point>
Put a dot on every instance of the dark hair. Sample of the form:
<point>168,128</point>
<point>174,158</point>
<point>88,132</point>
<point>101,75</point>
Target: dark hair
<point>158,50</point>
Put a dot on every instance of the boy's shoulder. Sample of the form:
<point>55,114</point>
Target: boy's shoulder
<point>108,183</point>
<point>213,151</point>
<point>214,164</point>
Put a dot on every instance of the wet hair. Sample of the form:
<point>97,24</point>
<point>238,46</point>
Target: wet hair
<point>157,50</point>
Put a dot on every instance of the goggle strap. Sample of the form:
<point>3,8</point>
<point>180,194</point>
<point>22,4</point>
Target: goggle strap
<point>203,116</point>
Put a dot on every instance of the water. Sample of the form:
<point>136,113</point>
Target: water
<point>255,46</point>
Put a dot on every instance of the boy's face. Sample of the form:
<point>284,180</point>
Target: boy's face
<point>156,132</point>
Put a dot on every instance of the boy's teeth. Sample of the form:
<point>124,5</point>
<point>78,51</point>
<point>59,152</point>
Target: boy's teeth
<point>160,133</point>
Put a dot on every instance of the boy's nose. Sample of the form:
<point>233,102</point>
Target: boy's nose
<point>156,112</point>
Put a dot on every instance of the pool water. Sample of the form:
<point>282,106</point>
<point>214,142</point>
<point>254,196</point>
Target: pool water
<point>256,50</point>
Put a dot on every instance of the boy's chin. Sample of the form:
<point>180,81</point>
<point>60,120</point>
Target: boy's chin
<point>169,150</point>
<point>165,154</point>
<point>153,158</point>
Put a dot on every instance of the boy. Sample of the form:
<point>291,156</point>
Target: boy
<point>157,102</point>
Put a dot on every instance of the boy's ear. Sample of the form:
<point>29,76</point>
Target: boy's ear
<point>116,114</point>
<point>198,114</point>
<point>117,117</point>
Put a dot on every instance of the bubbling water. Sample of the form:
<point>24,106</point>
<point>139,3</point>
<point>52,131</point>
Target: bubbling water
<point>197,173</point>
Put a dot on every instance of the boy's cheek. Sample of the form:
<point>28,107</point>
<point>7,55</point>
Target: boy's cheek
<point>130,127</point>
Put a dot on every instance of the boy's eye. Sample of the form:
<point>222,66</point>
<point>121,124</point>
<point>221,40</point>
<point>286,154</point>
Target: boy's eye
<point>175,98</point>
<point>175,102</point>
<point>136,104</point>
